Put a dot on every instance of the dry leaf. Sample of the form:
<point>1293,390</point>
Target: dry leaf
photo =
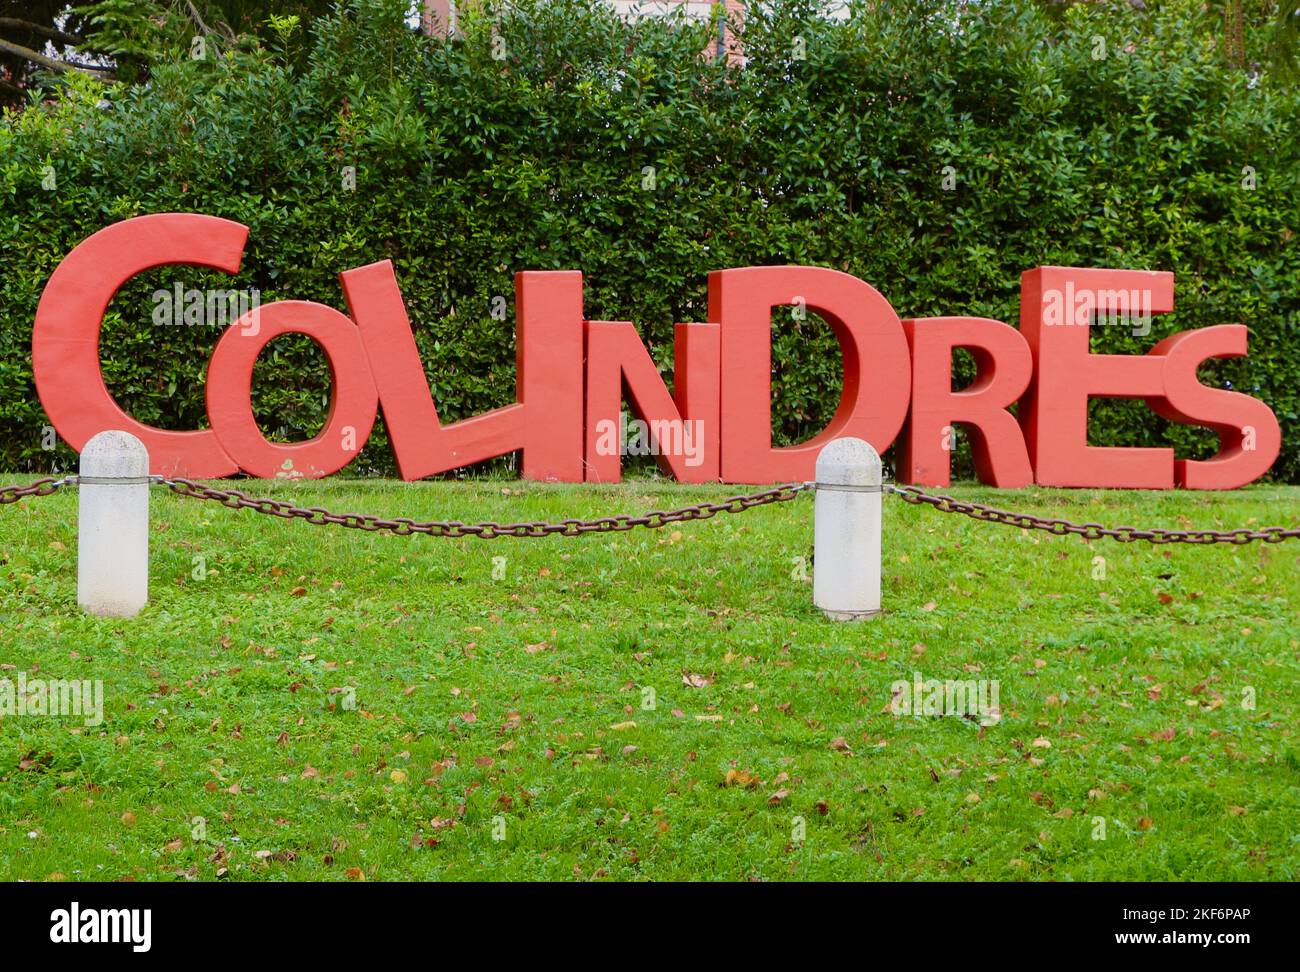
<point>740,778</point>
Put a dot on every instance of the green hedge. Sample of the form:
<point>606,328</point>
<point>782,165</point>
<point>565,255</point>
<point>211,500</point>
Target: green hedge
<point>828,147</point>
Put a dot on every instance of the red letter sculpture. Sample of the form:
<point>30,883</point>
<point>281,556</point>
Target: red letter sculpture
<point>230,378</point>
<point>1249,435</point>
<point>1057,305</point>
<point>546,421</point>
<point>682,430</point>
<point>873,401</point>
<point>65,338</point>
<point>717,423</point>
<point>1003,369</point>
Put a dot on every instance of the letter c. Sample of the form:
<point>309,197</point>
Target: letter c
<point>65,337</point>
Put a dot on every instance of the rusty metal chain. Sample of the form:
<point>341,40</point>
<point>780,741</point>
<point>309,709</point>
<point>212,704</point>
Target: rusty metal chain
<point>1089,531</point>
<point>42,487</point>
<point>402,526</point>
<point>655,519</point>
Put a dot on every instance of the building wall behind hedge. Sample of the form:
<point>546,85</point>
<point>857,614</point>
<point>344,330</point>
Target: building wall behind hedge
<point>562,137</point>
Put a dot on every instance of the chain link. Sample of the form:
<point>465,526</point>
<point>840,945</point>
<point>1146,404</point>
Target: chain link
<point>1089,531</point>
<point>402,526</point>
<point>42,487</point>
<point>655,519</point>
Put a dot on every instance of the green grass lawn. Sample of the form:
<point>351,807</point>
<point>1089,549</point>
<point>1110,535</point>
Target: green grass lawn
<point>330,704</point>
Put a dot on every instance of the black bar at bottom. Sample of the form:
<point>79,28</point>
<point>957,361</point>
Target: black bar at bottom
<point>335,922</point>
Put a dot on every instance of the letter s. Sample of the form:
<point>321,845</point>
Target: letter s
<point>1239,459</point>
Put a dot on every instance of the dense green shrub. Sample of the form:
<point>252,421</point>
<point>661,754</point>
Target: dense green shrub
<point>828,147</point>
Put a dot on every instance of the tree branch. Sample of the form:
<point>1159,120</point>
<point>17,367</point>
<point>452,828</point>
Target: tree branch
<point>27,54</point>
<point>198,19</point>
<point>17,23</point>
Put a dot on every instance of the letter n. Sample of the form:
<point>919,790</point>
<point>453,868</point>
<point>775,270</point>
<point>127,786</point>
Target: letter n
<point>616,357</point>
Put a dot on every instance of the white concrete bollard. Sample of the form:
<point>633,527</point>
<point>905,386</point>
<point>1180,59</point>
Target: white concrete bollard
<point>113,526</point>
<point>846,531</point>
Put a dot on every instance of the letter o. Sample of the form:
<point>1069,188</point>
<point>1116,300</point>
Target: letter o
<point>354,402</point>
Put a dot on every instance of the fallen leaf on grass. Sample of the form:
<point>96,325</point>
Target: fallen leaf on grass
<point>741,778</point>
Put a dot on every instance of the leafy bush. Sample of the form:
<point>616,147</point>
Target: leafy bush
<point>1114,138</point>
